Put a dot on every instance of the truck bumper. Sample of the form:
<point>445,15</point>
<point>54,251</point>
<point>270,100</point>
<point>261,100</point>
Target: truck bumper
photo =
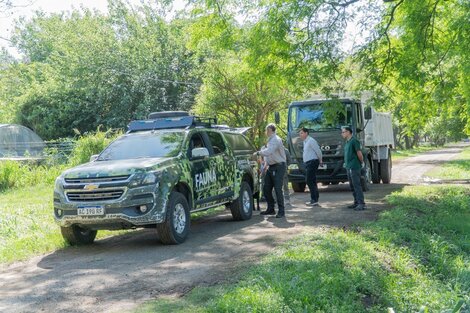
<point>333,173</point>
<point>123,213</point>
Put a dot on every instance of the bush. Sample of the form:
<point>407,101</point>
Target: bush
<point>90,144</point>
<point>14,174</point>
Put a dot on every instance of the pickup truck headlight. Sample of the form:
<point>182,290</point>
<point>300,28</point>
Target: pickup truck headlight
<point>143,179</point>
<point>58,183</point>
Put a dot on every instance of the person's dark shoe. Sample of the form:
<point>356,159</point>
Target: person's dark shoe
<point>267,212</point>
<point>360,207</point>
<point>352,206</point>
<point>280,215</point>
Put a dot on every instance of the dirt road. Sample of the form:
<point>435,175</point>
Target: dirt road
<point>119,273</point>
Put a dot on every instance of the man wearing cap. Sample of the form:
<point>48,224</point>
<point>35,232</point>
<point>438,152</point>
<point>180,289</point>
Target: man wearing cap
<point>353,162</point>
<point>275,156</point>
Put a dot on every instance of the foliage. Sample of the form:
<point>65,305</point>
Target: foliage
<point>90,144</point>
<point>241,60</point>
<point>416,63</point>
<point>14,174</point>
<point>83,69</point>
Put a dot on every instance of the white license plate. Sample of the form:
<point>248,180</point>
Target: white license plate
<point>91,210</point>
<point>322,167</point>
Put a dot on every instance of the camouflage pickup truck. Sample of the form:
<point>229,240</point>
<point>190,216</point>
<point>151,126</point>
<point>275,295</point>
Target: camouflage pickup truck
<point>154,176</point>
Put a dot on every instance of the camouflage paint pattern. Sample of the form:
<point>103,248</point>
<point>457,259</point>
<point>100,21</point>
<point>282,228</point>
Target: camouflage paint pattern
<point>218,183</point>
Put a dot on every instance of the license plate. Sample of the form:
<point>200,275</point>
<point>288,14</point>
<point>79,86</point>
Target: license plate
<point>322,167</point>
<point>91,210</point>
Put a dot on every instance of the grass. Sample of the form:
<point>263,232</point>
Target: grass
<point>414,258</point>
<point>458,168</point>
<point>402,154</point>
<point>27,226</point>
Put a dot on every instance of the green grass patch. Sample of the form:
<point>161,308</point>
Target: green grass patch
<point>414,258</point>
<point>27,226</point>
<point>402,154</point>
<point>458,168</point>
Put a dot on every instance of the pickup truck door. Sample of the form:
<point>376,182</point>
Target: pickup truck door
<point>225,166</point>
<point>203,172</point>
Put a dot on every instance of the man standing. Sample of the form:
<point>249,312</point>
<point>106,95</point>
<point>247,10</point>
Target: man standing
<point>353,162</point>
<point>312,157</point>
<point>275,156</point>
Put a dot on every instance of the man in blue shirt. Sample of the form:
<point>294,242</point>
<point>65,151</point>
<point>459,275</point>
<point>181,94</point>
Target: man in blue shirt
<point>312,157</point>
<point>353,162</point>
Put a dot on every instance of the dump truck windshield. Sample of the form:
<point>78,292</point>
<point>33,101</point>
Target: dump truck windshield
<point>325,116</point>
<point>143,145</point>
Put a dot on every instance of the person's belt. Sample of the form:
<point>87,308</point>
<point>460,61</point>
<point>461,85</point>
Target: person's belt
<point>276,164</point>
<point>311,161</point>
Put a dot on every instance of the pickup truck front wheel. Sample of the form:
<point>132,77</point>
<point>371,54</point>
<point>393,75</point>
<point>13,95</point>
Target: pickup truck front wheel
<point>175,229</point>
<point>242,207</point>
<point>76,235</point>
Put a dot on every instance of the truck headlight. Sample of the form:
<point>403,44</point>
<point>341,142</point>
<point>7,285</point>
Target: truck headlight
<point>293,166</point>
<point>143,179</point>
<point>58,183</point>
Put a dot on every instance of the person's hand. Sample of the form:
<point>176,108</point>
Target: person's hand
<point>363,164</point>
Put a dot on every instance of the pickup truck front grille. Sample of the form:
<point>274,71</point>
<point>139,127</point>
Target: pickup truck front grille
<point>90,180</point>
<point>95,195</point>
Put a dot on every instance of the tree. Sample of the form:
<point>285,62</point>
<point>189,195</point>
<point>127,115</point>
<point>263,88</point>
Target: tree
<point>84,69</point>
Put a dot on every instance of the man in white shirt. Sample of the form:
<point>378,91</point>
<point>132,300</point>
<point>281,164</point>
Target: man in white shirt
<point>312,158</point>
<point>275,156</point>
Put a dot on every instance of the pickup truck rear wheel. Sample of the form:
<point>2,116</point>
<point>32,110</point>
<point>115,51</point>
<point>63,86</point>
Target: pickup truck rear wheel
<point>242,207</point>
<point>298,187</point>
<point>175,229</point>
<point>76,235</point>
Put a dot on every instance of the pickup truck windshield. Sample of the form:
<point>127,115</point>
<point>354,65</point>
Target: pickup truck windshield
<point>143,145</point>
<point>320,117</point>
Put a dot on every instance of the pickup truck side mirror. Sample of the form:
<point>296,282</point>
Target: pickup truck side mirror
<point>94,157</point>
<point>199,153</point>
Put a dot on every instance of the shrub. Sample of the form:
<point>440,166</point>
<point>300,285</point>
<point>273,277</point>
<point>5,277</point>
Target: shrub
<point>90,144</point>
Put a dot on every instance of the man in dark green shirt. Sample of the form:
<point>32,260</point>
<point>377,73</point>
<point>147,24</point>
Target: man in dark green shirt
<point>353,162</point>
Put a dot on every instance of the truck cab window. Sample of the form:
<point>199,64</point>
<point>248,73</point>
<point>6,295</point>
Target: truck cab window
<point>217,142</point>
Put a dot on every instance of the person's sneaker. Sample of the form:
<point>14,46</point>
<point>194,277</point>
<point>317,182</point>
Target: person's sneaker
<point>312,203</point>
<point>267,212</point>
<point>279,215</point>
<point>352,206</point>
<point>360,207</point>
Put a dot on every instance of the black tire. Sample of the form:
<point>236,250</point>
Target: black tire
<point>76,235</point>
<point>175,229</point>
<point>298,187</point>
<point>375,172</point>
<point>386,169</point>
<point>365,177</point>
<point>242,207</point>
